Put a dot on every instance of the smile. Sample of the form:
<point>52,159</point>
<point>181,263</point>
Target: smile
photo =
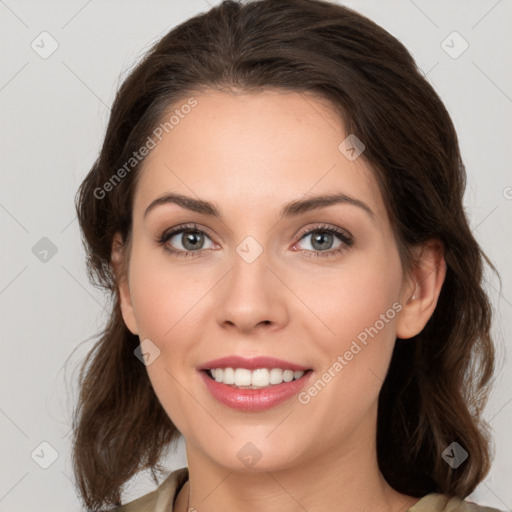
<point>253,390</point>
<point>256,379</point>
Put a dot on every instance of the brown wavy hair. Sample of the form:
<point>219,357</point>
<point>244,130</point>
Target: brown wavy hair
<point>438,381</point>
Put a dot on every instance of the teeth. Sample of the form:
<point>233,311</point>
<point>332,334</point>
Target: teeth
<point>260,378</point>
<point>228,376</point>
<point>242,377</point>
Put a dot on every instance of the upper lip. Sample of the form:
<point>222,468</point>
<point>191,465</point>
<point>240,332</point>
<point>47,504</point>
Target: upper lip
<point>252,363</point>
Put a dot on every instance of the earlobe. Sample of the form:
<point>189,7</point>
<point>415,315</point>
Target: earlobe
<point>422,290</point>
<point>120,269</point>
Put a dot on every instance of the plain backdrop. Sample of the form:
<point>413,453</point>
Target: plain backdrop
<point>54,111</point>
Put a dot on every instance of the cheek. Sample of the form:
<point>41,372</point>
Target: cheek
<point>163,294</point>
<point>354,297</point>
<point>358,307</point>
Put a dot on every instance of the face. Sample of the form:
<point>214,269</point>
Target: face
<point>316,286</point>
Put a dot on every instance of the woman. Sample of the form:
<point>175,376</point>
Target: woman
<point>277,213</point>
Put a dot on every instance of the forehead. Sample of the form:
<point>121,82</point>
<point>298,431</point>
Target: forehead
<point>243,151</point>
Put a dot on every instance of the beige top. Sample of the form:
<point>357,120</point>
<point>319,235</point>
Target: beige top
<point>162,499</point>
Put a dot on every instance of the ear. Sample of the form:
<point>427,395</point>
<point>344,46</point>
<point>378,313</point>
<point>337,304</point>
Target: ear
<point>422,289</point>
<point>118,261</point>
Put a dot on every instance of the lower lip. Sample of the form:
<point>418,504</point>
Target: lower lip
<point>254,400</point>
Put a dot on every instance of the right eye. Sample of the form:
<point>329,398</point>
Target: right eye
<point>189,236</point>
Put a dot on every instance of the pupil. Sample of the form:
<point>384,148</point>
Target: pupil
<point>321,238</point>
<point>191,237</point>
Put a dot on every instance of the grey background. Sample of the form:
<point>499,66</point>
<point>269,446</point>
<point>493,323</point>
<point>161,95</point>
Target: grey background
<point>53,117</point>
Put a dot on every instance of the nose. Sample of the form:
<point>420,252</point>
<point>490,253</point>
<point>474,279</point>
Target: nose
<point>252,297</point>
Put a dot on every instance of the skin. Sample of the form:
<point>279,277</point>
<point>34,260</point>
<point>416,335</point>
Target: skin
<point>251,154</point>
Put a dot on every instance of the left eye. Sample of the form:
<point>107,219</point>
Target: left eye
<point>323,239</point>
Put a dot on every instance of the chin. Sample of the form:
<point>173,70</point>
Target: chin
<point>253,457</point>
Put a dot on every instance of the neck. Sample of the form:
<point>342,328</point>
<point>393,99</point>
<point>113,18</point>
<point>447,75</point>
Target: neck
<point>342,480</point>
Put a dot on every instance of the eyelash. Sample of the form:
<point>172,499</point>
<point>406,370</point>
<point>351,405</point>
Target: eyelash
<point>323,228</point>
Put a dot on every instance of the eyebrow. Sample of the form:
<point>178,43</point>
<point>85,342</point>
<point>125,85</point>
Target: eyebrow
<point>289,210</point>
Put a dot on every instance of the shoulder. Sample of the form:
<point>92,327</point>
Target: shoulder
<point>442,503</point>
<point>162,498</point>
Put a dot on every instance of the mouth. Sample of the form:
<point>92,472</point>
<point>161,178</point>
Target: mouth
<point>260,378</point>
<point>253,384</point>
